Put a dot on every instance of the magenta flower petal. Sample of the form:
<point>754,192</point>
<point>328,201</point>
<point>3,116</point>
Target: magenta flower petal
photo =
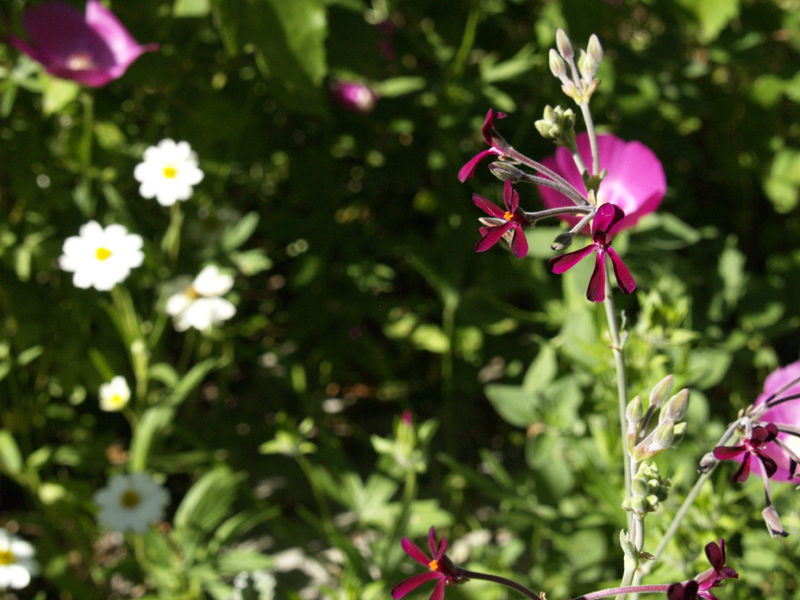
<point>468,170</point>
<point>510,197</point>
<point>635,181</point>
<point>407,585</point>
<point>607,220</point>
<point>438,590</point>
<point>414,552</point>
<point>519,244</point>
<point>91,50</point>
<point>491,235</point>
<point>597,282</point>
<point>487,206</point>
<point>625,280</point>
<point>488,124</point>
<point>728,452</point>
<point>565,262</point>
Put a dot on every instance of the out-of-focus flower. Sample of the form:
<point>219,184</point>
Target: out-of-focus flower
<point>101,258</point>
<point>200,305</point>
<point>440,567</point>
<point>255,585</point>
<point>683,591</point>
<point>115,394</point>
<point>512,220</point>
<point>635,179</point>
<point>355,96</point>
<point>494,139</point>
<point>168,172</point>
<point>17,563</point>
<point>91,49</point>
<point>717,573</point>
<point>131,503</point>
<point>751,446</point>
<point>606,223</point>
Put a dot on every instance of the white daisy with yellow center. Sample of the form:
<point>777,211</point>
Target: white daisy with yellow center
<point>200,304</point>
<point>17,563</point>
<point>131,503</point>
<point>168,173</point>
<point>101,257</point>
<point>115,394</point>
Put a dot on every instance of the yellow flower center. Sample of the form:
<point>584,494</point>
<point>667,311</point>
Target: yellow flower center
<point>7,557</point>
<point>191,293</point>
<point>79,61</point>
<point>170,172</point>
<point>102,253</point>
<point>508,216</point>
<point>130,499</point>
<point>116,400</point>
<point>433,565</point>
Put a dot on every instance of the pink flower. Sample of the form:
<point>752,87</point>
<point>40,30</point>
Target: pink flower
<point>717,573</point>
<point>92,49</point>
<point>439,567</point>
<point>607,222</point>
<point>635,181</point>
<point>512,220</point>
<point>354,96</point>
<point>492,138</point>
<point>756,445</point>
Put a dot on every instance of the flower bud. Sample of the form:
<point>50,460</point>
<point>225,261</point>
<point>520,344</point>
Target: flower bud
<point>664,435</point>
<point>676,408</point>
<point>707,463</point>
<point>355,96</point>
<point>562,241</point>
<point>587,67</point>
<point>634,412</point>
<point>557,65</point>
<point>773,521</point>
<point>661,391</point>
<point>564,45</point>
<point>506,172</point>
<point>594,49</point>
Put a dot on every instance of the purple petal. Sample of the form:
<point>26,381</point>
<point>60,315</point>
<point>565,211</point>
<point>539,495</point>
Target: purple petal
<point>744,470</point>
<point>414,552</point>
<point>519,243</point>
<point>121,43</point>
<point>432,542</point>
<point>402,588</point>
<point>728,452</point>
<point>624,278</point>
<point>487,206</point>
<point>438,591</point>
<point>715,555</point>
<point>605,220</point>
<point>442,548</point>
<point>769,465</point>
<point>510,197</point>
<point>488,124</point>
<point>597,282</point>
<point>468,170</point>
<point>491,235</point>
<point>565,262</point>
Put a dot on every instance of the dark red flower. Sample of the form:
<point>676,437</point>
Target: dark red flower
<point>512,219</point>
<point>683,591</point>
<point>606,223</point>
<point>717,573</point>
<point>440,567</point>
<point>492,138</point>
<point>754,445</point>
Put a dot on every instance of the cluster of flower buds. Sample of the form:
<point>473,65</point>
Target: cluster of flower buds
<point>648,490</point>
<point>558,125</point>
<point>646,440</point>
<point>578,82</point>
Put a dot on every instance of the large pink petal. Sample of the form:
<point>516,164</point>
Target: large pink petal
<point>597,282</point>
<point>565,262</point>
<point>519,244</point>
<point>491,235</point>
<point>638,183</point>
<point>402,588</point>
<point>487,206</point>
<point>624,278</point>
<point>121,43</point>
<point>414,552</point>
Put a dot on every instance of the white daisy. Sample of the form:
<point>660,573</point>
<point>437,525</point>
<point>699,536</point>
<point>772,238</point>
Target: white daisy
<point>256,584</point>
<point>131,503</point>
<point>17,564</point>
<point>200,305</point>
<point>115,394</point>
<point>168,172</point>
<point>101,258</point>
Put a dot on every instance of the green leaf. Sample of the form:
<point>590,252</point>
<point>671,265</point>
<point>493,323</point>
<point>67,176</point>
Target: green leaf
<point>191,8</point>
<point>208,501</point>
<point>542,371</point>
<point>190,381</point>
<point>57,93</point>
<point>398,86</point>
<point>712,16</point>
<point>10,456</point>
<point>238,234</point>
<point>513,403</point>
<point>154,420</point>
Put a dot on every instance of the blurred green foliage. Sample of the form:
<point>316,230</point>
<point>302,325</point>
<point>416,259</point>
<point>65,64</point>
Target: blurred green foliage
<point>359,296</point>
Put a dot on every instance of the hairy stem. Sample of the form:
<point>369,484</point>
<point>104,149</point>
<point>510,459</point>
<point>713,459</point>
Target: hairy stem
<point>502,581</point>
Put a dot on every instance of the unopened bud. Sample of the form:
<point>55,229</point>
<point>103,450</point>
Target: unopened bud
<point>564,45</point>
<point>773,522</point>
<point>562,241</point>
<point>664,435</point>
<point>506,172</point>
<point>587,67</point>
<point>594,49</point>
<point>557,65</point>
<point>707,463</point>
<point>676,408</point>
<point>662,391</point>
<point>634,412</point>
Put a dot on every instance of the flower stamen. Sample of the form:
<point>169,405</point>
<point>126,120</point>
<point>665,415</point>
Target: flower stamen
<point>130,499</point>
<point>7,557</point>
<point>102,253</point>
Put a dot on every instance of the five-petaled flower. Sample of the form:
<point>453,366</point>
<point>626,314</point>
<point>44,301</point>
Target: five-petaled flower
<point>492,138</point>
<point>606,223</point>
<point>512,220</point>
<point>754,445</point>
<point>701,585</point>
<point>440,567</point>
<point>168,172</point>
<point>92,49</point>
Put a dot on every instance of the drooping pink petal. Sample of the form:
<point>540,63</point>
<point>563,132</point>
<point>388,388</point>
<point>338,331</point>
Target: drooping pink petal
<point>606,220</point>
<point>414,552</point>
<point>404,587</point>
<point>728,452</point>
<point>510,197</point>
<point>625,280</point>
<point>488,206</point>
<point>488,124</point>
<point>597,282</point>
<point>468,170</point>
<point>519,243</point>
<point>769,465</point>
<point>565,262</point>
<point>491,235</point>
<point>744,470</point>
<point>438,591</point>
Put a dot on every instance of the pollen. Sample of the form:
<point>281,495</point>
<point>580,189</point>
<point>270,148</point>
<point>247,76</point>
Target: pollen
<point>130,499</point>
<point>102,253</point>
<point>7,557</point>
<point>170,172</point>
<point>508,216</point>
<point>433,565</point>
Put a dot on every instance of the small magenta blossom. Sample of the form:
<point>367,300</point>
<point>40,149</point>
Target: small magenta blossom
<point>512,220</point>
<point>607,222</point>
<point>701,585</point>
<point>753,446</point>
<point>492,138</point>
<point>635,179</point>
<point>440,567</point>
<point>91,49</point>
<point>355,96</point>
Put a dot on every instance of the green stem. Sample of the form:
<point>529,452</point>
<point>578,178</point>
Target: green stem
<point>587,118</point>
<point>319,496</point>
<point>467,41</point>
